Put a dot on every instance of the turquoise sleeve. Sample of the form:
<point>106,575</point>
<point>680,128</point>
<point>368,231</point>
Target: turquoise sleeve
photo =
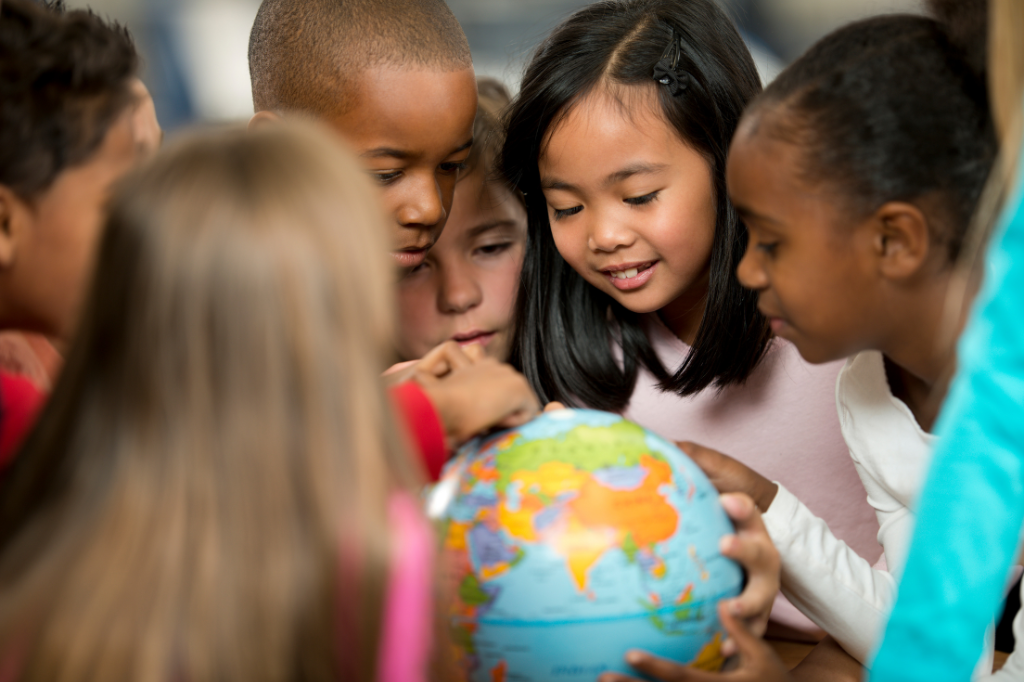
<point>971,509</point>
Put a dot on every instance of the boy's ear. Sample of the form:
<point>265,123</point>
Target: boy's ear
<point>261,118</point>
<point>901,241</point>
<point>12,211</point>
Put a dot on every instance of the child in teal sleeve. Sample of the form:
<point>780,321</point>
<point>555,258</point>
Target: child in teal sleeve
<point>956,571</point>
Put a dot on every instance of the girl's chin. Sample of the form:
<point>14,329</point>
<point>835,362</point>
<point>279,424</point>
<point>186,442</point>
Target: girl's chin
<point>639,304</point>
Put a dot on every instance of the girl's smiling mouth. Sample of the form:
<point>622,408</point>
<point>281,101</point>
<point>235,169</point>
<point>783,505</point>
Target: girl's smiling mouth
<point>629,276</point>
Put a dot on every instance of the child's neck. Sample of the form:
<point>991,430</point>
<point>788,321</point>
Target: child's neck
<point>923,398</point>
<point>684,314</point>
<point>920,356</point>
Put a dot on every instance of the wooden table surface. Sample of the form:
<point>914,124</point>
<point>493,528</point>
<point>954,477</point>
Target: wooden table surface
<point>792,653</point>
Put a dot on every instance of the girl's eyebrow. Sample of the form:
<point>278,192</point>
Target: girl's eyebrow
<point>478,230</point>
<point>554,183</point>
<point>747,214</point>
<point>629,171</point>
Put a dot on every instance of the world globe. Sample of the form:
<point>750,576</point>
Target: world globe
<point>571,540</point>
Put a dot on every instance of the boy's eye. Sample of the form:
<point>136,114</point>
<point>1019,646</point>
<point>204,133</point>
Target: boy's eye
<point>387,177</point>
<point>453,166</point>
<point>645,199</point>
<point>566,212</point>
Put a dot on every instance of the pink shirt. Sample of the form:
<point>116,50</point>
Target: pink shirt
<point>782,422</point>
<point>408,611</point>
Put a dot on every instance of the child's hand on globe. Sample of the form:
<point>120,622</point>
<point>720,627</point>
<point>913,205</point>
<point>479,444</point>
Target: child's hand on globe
<point>752,548</point>
<point>757,661</point>
<point>472,393</point>
<point>730,475</point>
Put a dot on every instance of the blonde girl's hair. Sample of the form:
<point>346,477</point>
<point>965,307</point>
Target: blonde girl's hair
<point>204,497</point>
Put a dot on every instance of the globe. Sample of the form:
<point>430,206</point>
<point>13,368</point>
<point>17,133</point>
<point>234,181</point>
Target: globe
<point>573,539</point>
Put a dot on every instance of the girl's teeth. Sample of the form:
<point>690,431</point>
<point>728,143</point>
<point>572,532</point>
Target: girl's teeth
<point>626,274</point>
<point>631,273</point>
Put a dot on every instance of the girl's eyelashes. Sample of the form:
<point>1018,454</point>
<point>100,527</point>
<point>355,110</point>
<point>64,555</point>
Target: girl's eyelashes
<point>493,249</point>
<point>414,271</point>
<point>561,213</point>
<point>768,248</point>
<point>641,200</point>
<point>453,166</point>
<point>387,178</point>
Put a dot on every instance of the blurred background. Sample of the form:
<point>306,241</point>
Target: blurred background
<point>194,51</point>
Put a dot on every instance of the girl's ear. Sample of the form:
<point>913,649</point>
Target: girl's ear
<point>901,241</point>
<point>12,212</point>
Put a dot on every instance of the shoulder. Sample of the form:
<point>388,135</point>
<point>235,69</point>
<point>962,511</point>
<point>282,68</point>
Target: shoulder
<point>880,430</point>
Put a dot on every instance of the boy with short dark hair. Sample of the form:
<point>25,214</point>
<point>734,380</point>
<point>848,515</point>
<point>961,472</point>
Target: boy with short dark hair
<point>68,130</point>
<point>395,79</point>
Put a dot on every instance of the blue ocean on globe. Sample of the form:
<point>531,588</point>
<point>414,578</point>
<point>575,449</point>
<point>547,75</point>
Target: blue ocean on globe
<point>577,537</point>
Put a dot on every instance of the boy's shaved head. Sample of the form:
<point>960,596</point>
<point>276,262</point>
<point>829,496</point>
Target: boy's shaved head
<point>305,55</point>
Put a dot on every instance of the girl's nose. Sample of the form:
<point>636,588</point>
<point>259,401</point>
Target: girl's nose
<point>607,235</point>
<point>749,272</point>
<point>459,291</point>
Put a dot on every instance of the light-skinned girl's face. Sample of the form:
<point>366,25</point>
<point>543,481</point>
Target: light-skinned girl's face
<point>632,207</point>
<point>413,130</point>
<point>810,263</point>
<point>465,290</point>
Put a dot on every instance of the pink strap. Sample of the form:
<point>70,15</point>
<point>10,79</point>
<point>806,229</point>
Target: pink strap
<point>408,615</point>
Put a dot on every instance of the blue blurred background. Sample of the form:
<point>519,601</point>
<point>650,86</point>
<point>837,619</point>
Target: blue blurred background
<point>194,51</point>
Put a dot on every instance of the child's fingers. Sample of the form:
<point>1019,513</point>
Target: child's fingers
<point>553,406</point>
<point>721,469</point>
<point>443,359</point>
<point>740,508</point>
<point>399,373</point>
<point>529,406</point>
<point>474,352</point>
<point>753,549</point>
<point>758,663</point>
<point>665,670</point>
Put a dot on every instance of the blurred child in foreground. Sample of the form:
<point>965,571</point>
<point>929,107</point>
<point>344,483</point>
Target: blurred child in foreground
<point>971,510</point>
<point>216,489</point>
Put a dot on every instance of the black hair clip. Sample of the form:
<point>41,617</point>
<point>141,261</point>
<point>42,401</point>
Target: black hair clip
<point>667,71</point>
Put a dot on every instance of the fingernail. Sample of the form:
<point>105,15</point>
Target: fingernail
<point>728,648</point>
<point>735,607</point>
<point>726,544</point>
<point>634,657</point>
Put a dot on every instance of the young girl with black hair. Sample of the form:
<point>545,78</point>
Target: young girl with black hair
<point>629,300</point>
<point>857,173</point>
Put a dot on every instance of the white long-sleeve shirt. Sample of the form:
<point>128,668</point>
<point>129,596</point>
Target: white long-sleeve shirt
<point>835,587</point>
